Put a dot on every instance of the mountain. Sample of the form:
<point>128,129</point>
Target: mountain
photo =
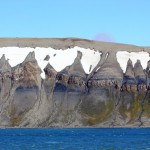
<point>73,82</point>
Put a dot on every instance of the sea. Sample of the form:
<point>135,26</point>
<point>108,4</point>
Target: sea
<point>75,139</point>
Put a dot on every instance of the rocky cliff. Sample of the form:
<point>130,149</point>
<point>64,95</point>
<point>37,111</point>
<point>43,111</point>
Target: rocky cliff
<point>107,97</point>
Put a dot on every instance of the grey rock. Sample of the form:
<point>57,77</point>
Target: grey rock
<point>50,79</point>
<point>30,57</point>
<point>129,77</point>
<point>129,70</point>
<point>148,74</point>
<point>47,58</point>
<point>4,65</point>
<point>140,76</point>
<point>106,97</point>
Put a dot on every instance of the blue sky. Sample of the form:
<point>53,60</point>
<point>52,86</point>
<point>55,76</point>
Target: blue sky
<point>121,21</point>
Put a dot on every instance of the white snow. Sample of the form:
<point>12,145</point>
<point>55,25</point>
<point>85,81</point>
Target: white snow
<point>106,56</point>
<point>62,59</point>
<point>66,57</point>
<point>123,57</point>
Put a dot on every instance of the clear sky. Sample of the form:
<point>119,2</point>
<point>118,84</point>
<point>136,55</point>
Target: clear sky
<point>121,21</point>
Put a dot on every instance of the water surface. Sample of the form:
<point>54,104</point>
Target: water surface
<point>75,139</point>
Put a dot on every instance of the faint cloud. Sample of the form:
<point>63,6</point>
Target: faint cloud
<point>103,37</point>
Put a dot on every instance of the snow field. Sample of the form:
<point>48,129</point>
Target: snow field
<point>59,59</point>
<point>124,56</point>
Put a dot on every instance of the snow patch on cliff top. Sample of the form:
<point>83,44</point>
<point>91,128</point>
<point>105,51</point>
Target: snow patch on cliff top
<point>124,56</point>
<point>59,59</point>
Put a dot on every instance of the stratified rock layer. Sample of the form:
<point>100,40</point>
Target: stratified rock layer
<point>106,97</point>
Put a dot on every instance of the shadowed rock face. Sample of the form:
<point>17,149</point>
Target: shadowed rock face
<point>106,97</point>
<point>129,82</point>
<point>148,73</point>
<point>69,88</point>
<point>140,76</point>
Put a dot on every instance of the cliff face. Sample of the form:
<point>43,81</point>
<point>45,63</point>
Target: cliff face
<point>106,97</point>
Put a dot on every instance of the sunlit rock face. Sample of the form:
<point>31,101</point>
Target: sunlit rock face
<point>73,83</point>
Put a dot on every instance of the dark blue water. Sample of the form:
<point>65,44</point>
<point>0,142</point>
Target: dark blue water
<point>74,139</point>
